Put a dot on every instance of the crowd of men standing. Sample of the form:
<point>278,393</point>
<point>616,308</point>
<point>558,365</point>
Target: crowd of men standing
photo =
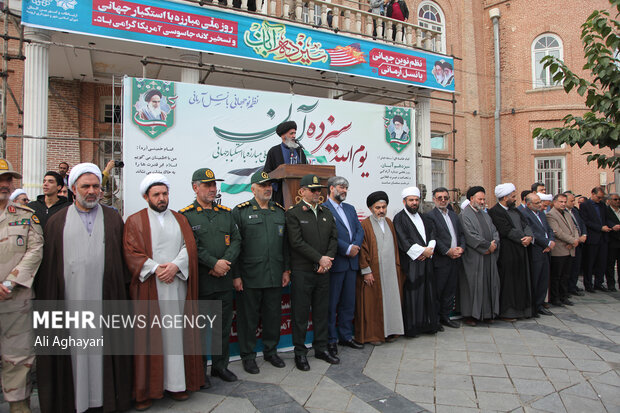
<point>365,282</point>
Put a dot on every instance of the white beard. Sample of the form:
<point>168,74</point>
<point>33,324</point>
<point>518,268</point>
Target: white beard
<point>291,144</point>
<point>152,113</point>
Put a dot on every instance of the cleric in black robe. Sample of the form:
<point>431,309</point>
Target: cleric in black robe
<point>416,244</point>
<point>513,264</point>
<point>287,152</point>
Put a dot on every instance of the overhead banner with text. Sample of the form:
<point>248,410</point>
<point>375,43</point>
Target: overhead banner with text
<point>230,131</point>
<point>214,30</point>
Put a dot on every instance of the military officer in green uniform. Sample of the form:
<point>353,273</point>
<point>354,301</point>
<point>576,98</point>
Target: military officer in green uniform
<point>313,241</point>
<point>219,242</point>
<point>260,272</point>
<point>21,250</point>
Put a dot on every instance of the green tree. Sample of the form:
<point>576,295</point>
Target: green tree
<point>599,126</point>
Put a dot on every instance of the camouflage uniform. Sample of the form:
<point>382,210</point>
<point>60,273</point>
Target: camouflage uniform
<point>21,250</point>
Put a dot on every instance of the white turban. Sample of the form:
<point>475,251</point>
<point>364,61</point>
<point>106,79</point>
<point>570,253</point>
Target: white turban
<point>81,169</point>
<point>464,204</point>
<point>151,179</point>
<point>544,197</point>
<point>16,193</point>
<point>504,189</point>
<point>410,191</point>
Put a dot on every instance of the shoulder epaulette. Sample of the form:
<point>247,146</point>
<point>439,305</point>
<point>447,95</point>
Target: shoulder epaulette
<point>284,209</point>
<point>291,207</point>
<point>24,207</point>
<point>243,204</point>
<point>187,208</point>
<point>225,208</point>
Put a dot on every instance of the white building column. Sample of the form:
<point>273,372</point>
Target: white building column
<point>190,75</point>
<point>423,143</point>
<point>36,87</point>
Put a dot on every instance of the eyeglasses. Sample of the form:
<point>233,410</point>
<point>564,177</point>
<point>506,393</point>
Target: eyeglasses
<point>443,198</point>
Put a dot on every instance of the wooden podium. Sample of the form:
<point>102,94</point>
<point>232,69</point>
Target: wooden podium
<point>290,176</point>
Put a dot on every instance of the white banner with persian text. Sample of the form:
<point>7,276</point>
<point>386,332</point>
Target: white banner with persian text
<point>175,128</point>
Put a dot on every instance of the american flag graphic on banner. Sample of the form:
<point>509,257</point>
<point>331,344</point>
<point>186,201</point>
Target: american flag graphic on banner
<point>346,55</point>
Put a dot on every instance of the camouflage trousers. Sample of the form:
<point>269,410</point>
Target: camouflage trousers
<point>16,346</point>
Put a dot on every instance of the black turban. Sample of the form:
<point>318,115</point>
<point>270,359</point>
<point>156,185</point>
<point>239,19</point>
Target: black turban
<point>284,127</point>
<point>474,190</point>
<point>377,196</point>
<point>398,119</point>
<point>149,95</point>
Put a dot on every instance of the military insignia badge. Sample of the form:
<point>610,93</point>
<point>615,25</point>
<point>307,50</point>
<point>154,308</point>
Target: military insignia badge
<point>315,180</point>
<point>20,241</point>
<point>264,175</point>
<point>281,230</point>
<point>209,173</point>
<point>35,219</point>
<point>227,239</point>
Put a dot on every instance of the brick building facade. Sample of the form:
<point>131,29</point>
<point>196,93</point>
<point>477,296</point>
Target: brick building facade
<point>84,110</point>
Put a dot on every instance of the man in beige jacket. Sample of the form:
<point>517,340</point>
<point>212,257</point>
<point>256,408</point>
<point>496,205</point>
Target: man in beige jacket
<point>567,239</point>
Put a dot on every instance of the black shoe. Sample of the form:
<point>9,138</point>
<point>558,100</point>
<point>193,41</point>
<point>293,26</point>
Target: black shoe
<point>207,384</point>
<point>351,343</point>
<point>325,356</point>
<point>577,293</point>
<point>333,349</point>
<point>449,323</point>
<point>544,311</point>
<point>440,328</point>
<point>590,290</point>
<point>225,375</point>
<point>600,288</point>
<point>612,289</point>
<point>275,361</point>
<point>578,289</point>
<point>536,315</point>
<point>566,301</point>
<point>250,366</point>
<point>302,363</point>
<point>557,304</point>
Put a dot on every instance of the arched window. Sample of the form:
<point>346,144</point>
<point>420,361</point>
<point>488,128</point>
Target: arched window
<point>544,45</point>
<point>430,16</point>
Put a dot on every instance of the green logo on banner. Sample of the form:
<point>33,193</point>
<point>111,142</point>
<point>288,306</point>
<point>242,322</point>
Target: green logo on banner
<point>397,123</point>
<point>154,104</point>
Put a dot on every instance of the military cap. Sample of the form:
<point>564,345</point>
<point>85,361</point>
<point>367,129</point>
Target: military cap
<point>311,181</point>
<point>260,177</point>
<point>7,168</point>
<point>204,175</point>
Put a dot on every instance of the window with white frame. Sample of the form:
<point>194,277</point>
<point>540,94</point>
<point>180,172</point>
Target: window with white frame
<point>545,45</point>
<point>430,16</point>
<point>110,112</point>
<point>439,170</point>
<point>545,143</point>
<point>551,172</point>
<point>305,14</point>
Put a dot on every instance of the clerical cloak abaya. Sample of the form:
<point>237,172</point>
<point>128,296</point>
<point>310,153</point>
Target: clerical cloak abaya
<point>419,311</point>
<point>55,373</point>
<point>149,369</point>
<point>515,299</point>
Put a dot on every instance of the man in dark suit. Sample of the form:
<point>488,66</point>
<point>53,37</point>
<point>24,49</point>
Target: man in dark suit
<point>577,262</point>
<point>613,249</point>
<point>447,259</point>
<point>523,204</point>
<point>344,268</point>
<point>593,213</point>
<point>286,152</point>
<point>540,253</point>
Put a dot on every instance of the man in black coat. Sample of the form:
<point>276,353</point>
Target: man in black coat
<point>50,202</point>
<point>447,259</point>
<point>613,249</point>
<point>286,152</point>
<point>577,264</point>
<point>593,213</point>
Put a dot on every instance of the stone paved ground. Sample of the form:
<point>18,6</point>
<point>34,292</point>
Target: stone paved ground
<point>566,363</point>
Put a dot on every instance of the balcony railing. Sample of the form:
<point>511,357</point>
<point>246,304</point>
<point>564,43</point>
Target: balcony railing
<point>346,19</point>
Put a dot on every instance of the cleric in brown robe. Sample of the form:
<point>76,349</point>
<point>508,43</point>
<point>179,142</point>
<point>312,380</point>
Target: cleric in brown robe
<point>378,311</point>
<point>57,390</point>
<point>170,275</point>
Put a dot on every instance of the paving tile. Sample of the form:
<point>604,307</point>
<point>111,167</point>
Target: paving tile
<point>493,384</point>
<point>575,403</point>
<point>396,404</point>
<point>451,355</point>
<point>611,378</point>
<point>271,396</point>
<point>482,347</point>
<point>523,372</point>
<point>519,360</point>
<point>497,401</point>
<point>533,387</point>
<point>555,362</point>
<point>453,368</point>
<point>333,396</point>
<point>609,395</point>
<point>479,357</point>
<point>454,409</point>
<point>489,370</point>
<point>356,405</point>
<point>551,403</point>
<point>299,394</point>
<point>514,349</point>
<point>456,397</point>
<point>450,381</point>
<point>417,394</point>
<point>591,365</point>
<point>415,378</point>
<point>582,390</point>
<point>234,404</point>
<point>370,391</point>
<point>292,407</point>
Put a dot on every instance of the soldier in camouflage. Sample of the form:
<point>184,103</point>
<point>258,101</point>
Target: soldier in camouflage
<point>21,250</point>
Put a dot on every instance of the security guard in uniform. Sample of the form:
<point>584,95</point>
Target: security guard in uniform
<point>313,239</point>
<point>260,272</point>
<point>21,251</point>
<point>219,242</point>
